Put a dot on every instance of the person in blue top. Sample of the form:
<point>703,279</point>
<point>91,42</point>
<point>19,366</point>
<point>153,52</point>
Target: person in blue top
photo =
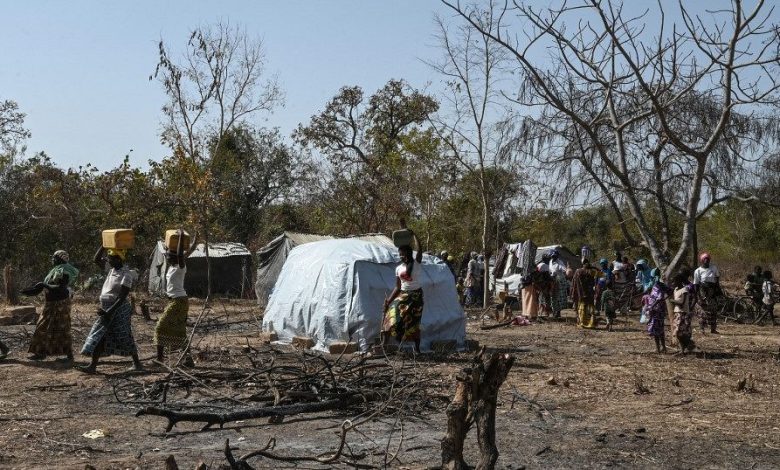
<point>644,277</point>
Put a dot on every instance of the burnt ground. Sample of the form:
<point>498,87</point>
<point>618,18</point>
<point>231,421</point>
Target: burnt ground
<point>574,399</point>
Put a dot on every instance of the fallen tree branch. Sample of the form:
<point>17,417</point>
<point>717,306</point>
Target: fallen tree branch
<point>175,417</point>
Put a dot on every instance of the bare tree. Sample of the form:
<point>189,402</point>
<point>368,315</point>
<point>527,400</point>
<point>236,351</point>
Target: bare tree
<point>219,83</point>
<point>664,122</point>
<point>474,123</point>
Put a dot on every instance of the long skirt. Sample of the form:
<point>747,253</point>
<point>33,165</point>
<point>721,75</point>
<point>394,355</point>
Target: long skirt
<point>52,333</point>
<point>403,315</point>
<point>586,315</point>
<point>560,296</point>
<point>530,298</point>
<point>623,294</point>
<point>117,332</point>
<point>681,325</point>
<point>655,327</point>
<point>171,329</point>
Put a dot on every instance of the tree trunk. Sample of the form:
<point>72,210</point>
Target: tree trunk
<point>452,444</point>
<point>11,292</point>
<point>476,395</point>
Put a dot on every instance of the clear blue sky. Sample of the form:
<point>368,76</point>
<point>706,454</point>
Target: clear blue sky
<point>80,69</point>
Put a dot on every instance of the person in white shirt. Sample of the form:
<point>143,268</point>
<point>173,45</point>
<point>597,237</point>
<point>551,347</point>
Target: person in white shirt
<point>768,291</point>
<point>112,334</point>
<point>404,308</point>
<point>171,329</point>
<point>559,297</point>
<point>706,278</point>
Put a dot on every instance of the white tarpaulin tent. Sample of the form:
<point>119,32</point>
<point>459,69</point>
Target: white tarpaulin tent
<point>271,257</point>
<point>333,290</point>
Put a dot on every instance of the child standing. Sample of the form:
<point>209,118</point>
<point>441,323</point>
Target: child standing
<point>681,326</point>
<point>656,310</point>
<point>768,289</point>
<point>608,303</point>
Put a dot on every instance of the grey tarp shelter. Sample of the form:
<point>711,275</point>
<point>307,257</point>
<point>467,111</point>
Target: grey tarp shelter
<point>271,257</point>
<point>231,270</point>
<point>333,290</point>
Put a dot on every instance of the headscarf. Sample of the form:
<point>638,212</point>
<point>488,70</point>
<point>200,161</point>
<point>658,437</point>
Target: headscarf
<point>704,256</point>
<point>121,254</point>
<point>63,255</point>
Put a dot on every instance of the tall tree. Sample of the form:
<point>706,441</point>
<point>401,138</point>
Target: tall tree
<point>365,144</point>
<point>674,115</point>
<point>474,123</point>
<point>218,84</point>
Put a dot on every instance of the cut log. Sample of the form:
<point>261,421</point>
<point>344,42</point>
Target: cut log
<point>11,292</point>
<point>211,419</point>
<point>342,347</point>
<point>302,342</point>
<point>268,337</point>
<point>19,315</point>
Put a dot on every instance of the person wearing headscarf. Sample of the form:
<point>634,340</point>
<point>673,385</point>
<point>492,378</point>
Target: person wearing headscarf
<point>112,333</point>
<point>644,279</point>
<point>656,310</point>
<point>583,295</point>
<point>559,297</point>
<point>706,278</point>
<point>52,336</point>
<point>171,329</point>
<point>404,308</point>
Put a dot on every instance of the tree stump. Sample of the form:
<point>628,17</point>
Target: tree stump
<point>11,292</point>
<point>476,395</point>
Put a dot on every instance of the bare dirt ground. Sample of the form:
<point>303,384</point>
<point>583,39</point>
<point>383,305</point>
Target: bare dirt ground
<point>574,399</point>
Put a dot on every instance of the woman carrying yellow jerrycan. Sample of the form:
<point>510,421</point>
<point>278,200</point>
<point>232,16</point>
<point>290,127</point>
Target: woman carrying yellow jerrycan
<point>171,330</point>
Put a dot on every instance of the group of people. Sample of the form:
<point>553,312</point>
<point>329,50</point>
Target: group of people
<point>689,294</point>
<point>111,332</point>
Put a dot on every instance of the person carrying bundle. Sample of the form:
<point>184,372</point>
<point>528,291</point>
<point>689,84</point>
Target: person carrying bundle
<point>171,329</point>
<point>52,336</point>
<point>112,334</point>
<point>404,308</point>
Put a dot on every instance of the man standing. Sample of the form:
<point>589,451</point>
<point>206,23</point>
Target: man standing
<point>706,278</point>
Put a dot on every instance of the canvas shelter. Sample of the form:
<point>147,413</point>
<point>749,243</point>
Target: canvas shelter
<point>271,257</point>
<point>231,270</point>
<point>333,290</point>
<point>511,272</point>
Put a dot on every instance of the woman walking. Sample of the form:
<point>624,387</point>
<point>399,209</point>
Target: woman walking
<point>171,330</point>
<point>112,334</point>
<point>404,308</point>
<point>52,336</point>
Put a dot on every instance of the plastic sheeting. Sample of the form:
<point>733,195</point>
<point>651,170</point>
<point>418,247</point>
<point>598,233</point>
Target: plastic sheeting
<point>271,257</point>
<point>333,290</point>
<point>231,273</point>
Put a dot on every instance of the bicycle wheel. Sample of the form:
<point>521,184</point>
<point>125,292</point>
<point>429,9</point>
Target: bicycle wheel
<point>744,310</point>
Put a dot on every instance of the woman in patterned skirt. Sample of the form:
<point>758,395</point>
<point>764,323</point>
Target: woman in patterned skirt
<point>171,329</point>
<point>52,335</point>
<point>404,308</point>
<point>112,333</point>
